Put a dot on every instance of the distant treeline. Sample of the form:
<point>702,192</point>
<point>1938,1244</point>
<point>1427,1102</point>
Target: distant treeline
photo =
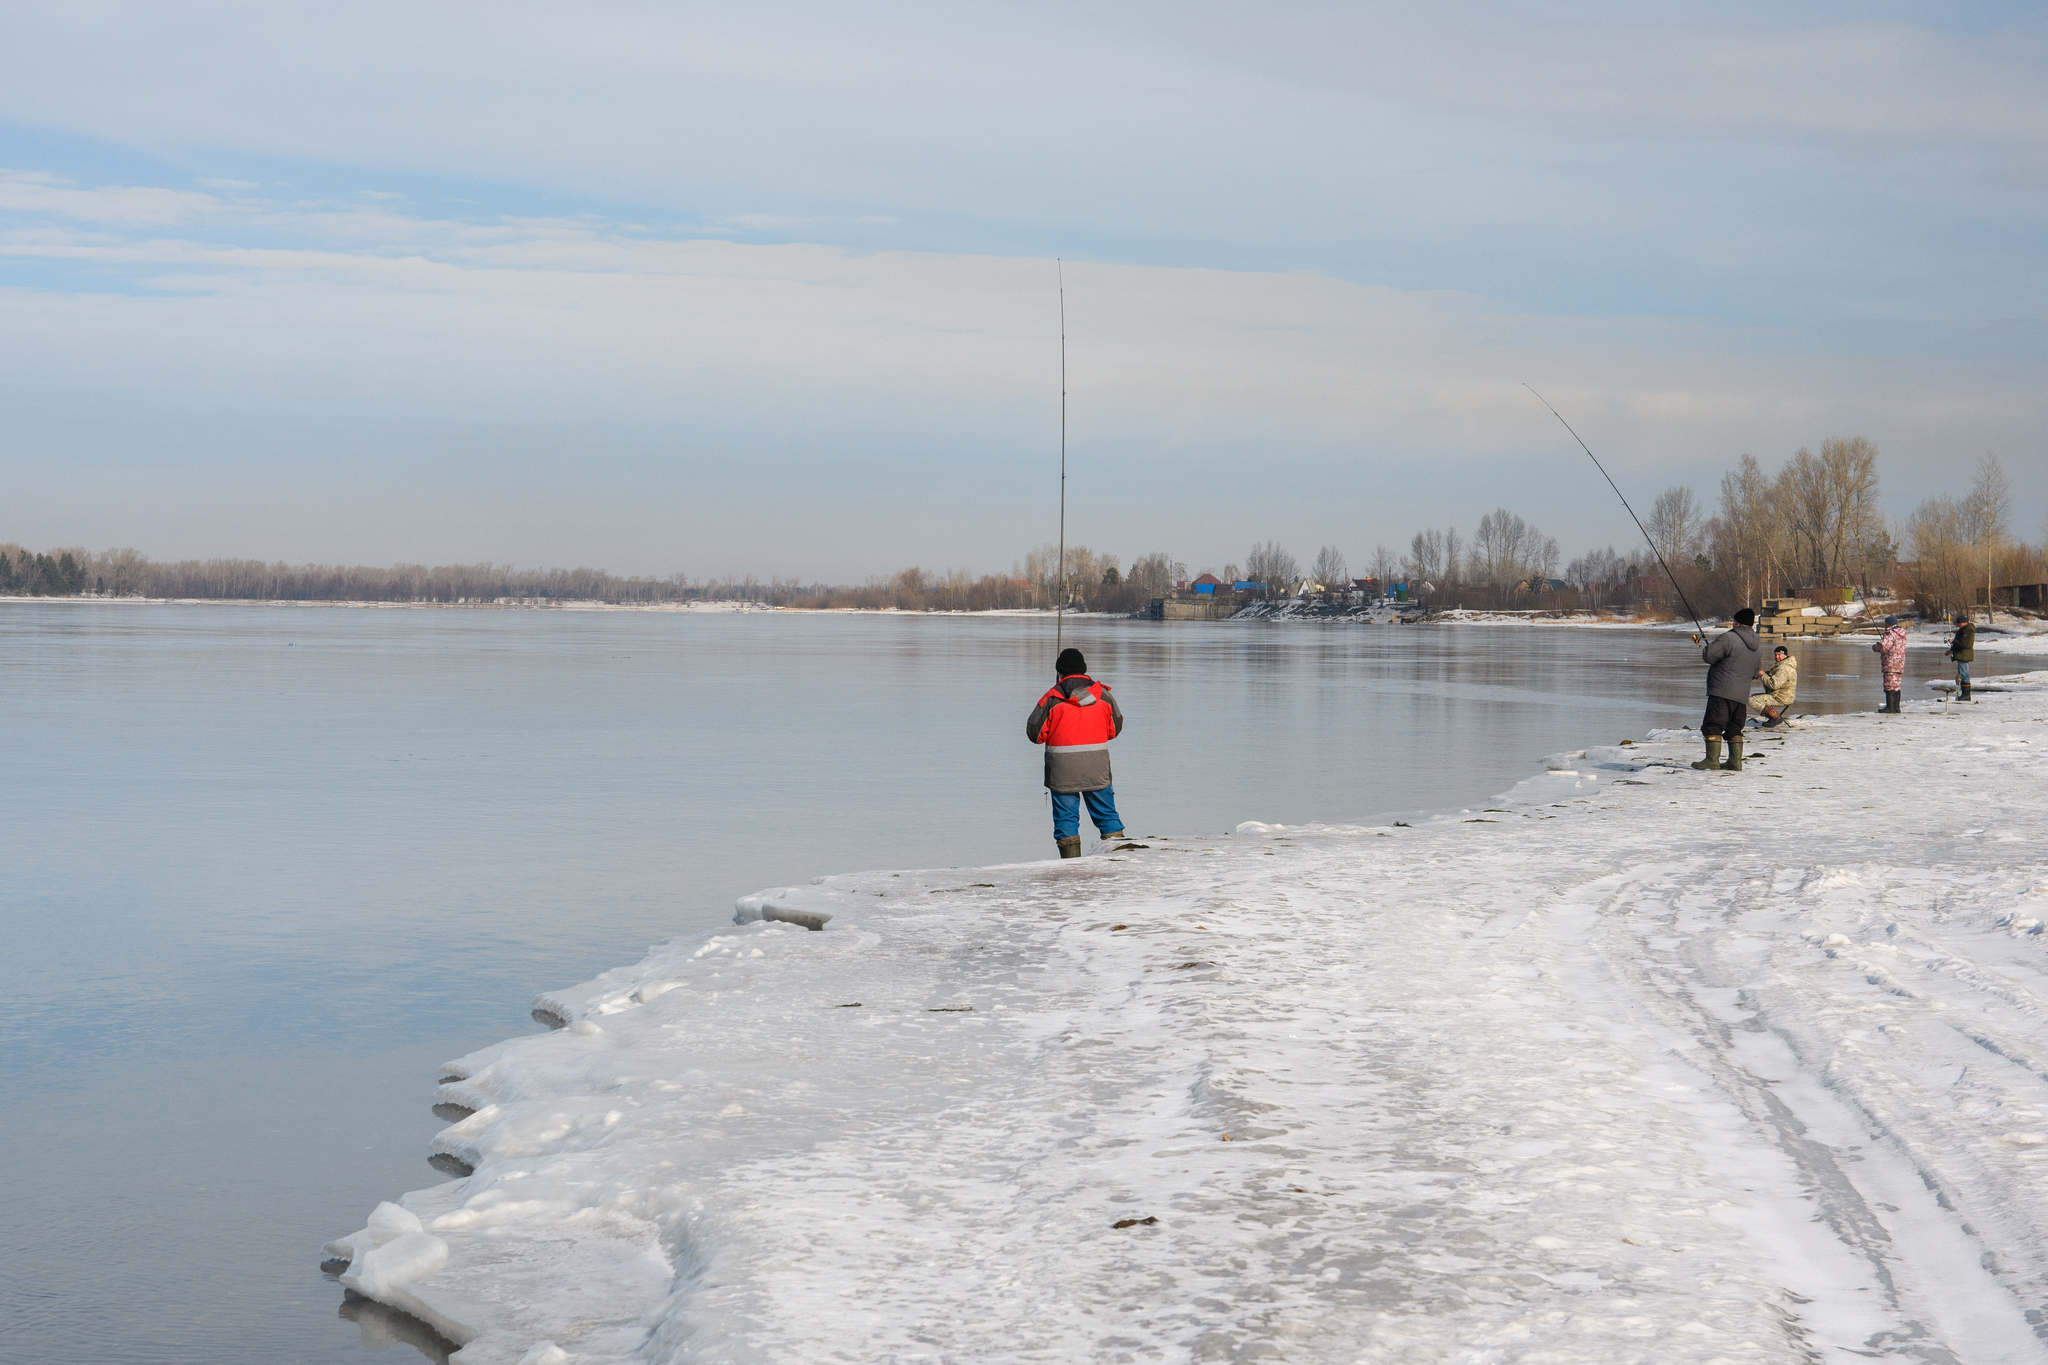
<point>125,573</point>
<point>1814,524</point>
<point>1093,582</point>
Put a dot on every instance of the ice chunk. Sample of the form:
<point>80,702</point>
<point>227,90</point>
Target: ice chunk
<point>389,1265</point>
<point>388,1222</point>
<point>783,904</point>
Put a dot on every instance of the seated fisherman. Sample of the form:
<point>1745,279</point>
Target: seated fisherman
<point>1781,685</point>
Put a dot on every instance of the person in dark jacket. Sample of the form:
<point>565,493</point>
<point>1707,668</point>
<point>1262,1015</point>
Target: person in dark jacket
<point>1075,721</point>
<point>1732,660</point>
<point>1962,647</point>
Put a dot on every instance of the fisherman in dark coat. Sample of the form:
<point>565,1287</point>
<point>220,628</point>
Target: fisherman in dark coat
<point>1732,660</point>
<point>1962,647</point>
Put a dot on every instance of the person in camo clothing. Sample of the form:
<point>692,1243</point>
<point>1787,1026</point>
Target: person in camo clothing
<point>1781,686</point>
<point>1891,652</point>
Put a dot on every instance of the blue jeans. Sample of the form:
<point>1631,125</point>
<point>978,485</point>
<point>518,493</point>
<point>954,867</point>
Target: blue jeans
<point>1066,813</point>
<point>1963,671</point>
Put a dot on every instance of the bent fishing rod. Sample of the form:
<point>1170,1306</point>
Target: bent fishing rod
<point>1702,630</point>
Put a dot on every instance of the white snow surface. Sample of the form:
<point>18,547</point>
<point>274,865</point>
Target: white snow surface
<point>1641,1064</point>
<point>2012,635</point>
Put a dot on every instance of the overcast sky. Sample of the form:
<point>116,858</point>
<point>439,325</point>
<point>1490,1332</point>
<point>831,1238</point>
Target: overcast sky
<point>770,289</point>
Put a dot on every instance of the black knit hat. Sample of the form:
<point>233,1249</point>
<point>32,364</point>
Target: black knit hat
<point>1745,617</point>
<point>1070,663</point>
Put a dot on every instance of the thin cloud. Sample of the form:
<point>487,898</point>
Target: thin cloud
<point>48,195</point>
<point>848,369</point>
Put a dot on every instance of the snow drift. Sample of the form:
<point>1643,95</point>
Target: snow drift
<point>1643,1064</point>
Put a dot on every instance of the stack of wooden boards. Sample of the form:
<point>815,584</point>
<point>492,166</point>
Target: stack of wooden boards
<point>1783,616</point>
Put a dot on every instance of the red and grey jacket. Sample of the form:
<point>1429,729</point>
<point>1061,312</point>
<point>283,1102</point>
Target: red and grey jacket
<point>1075,721</point>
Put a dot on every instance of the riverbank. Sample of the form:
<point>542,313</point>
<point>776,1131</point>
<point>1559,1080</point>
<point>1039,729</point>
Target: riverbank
<point>543,604</point>
<point>1639,1064</point>
<point>2012,634</point>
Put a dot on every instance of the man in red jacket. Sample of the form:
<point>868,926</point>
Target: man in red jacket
<point>1075,722</point>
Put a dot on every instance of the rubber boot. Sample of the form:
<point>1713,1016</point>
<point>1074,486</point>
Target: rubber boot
<point>1713,758</point>
<point>1070,847</point>
<point>1109,834</point>
<point>1734,763</point>
<point>1966,692</point>
<point>1891,701</point>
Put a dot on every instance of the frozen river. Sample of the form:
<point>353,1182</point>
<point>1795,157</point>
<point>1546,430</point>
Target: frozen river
<point>267,868</point>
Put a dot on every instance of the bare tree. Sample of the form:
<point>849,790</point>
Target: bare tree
<point>1495,557</point>
<point>1329,570</point>
<point>1384,565</point>
<point>1675,525</point>
<point>1150,576</point>
<point>1272,566</point>
<point>1830,501</point>
<point>1939,530</point>
<point>1080,577</point>
<point>1084,575</point>
<point>1988,512</point>
<point>1507,550</point>
<point>1597,572</point>
<point>1425,557</point>
<point>1748,531</point>
<point>1042,566</point>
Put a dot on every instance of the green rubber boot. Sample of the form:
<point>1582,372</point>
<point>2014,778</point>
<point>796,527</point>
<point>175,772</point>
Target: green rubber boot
<point>1713,758</point>
<point>1070,847</point>
<point>1734,763</point>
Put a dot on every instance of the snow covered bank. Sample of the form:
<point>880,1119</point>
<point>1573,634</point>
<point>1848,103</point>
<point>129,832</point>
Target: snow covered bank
<point>1642,1064</point>
<point>1462,616</point>
<point>2011,635</point>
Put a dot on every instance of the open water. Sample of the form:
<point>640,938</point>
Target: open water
<point>263,868</point>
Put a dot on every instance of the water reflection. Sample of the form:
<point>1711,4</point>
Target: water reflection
<point>379,1328</point>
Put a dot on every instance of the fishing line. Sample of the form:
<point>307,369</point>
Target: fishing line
<point>1631,511</point>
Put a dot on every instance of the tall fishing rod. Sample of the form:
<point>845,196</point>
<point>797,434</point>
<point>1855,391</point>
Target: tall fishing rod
<point>1059,618</point>
<point>1631,511</point>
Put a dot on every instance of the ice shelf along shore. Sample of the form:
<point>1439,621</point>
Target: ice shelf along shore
<point>1642,1064</point>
